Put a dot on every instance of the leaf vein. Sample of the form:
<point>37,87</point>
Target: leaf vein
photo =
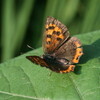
<point>76,88</point>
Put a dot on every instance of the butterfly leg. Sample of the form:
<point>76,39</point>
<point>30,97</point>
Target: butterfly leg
<point>70,68</point>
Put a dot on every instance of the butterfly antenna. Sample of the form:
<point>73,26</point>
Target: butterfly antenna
<point>30,47</point>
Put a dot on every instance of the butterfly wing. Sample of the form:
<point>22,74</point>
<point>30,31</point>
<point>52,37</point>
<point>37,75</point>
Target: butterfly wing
<point>54,35</point>
<point>70,50</point>
<point>37,60</point>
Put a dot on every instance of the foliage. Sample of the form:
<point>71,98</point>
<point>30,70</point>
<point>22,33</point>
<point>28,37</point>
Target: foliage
<point>22,24</point>
<point>22,80</point>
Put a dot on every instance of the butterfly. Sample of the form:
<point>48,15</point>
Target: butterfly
<point>61,52</point>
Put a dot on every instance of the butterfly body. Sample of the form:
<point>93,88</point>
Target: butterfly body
<point>57,64</point>
<point>61,51</point>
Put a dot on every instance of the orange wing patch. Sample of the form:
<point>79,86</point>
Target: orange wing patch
<point>70,68</point>
<point>54,37</point>
<point>55,34</point>
<point>79,52</point>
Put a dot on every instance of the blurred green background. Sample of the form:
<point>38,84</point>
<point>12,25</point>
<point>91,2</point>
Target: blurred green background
<point>22,21</point>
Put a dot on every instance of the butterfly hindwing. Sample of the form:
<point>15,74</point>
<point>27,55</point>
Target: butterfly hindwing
<point>70,50</point>
<point>37,60</point>
<point>54,35</point>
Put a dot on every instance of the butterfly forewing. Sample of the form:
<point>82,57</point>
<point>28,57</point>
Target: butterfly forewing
<point>54,35</point>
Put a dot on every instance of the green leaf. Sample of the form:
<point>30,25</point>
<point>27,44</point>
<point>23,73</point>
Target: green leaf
<point>22,80</point>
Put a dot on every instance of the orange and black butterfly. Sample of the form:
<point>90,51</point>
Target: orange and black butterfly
<point>61,51</point>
